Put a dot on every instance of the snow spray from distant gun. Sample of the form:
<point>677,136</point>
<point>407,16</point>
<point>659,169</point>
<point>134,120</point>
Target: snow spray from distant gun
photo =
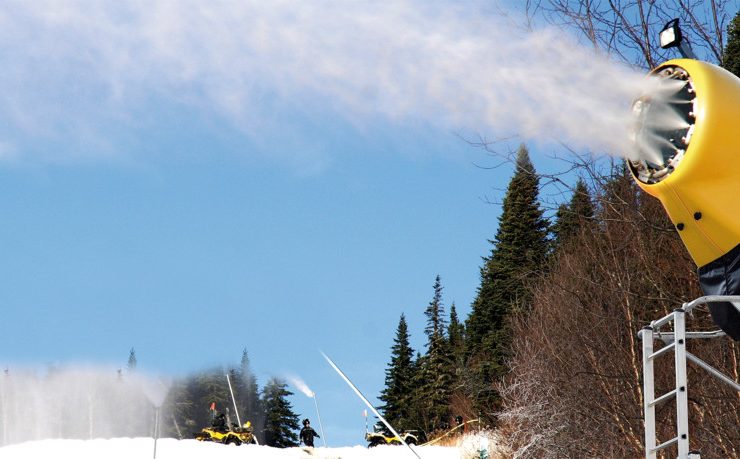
<point>303,387</point>
<point>77,403</point>
<point>369,405</point>
<point>156,391</point>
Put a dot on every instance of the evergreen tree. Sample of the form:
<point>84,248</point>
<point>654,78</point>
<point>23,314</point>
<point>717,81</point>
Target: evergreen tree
<point>519,252</point>
<point>190,399</point>
<point>206,389</point>
<point>248,397</point>
<point>731,58</point>
<point>436,368</point>
<point>571,217</point>
<point>131,365</point>
<point>399,376</point>
<point>179,405</point>
<point>456,337</point>
<point>435,312</point>
<point>280,420</point>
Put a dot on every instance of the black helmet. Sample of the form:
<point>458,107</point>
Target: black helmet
<point>306,422</point>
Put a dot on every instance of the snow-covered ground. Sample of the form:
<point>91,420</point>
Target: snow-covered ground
<point>134,448</point>
<point>70,404</point>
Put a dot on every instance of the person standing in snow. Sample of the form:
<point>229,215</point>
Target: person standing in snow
<point>307,433</point>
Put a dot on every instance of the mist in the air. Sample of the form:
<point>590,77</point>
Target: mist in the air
<point>78,70</point>
<point>77,403</point>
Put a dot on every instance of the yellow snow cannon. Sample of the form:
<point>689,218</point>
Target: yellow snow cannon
<point>687,154</point>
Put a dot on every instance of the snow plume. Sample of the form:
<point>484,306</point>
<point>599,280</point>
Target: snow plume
<point>301,385</point>
<point>77,403</point>
<point>78,70</point>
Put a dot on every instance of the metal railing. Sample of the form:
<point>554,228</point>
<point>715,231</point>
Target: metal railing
<point>676,341</point>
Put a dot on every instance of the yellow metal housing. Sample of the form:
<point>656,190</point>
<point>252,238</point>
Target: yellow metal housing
<point>702,194</point>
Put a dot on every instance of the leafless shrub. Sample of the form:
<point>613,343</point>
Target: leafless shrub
<point>575,389</point>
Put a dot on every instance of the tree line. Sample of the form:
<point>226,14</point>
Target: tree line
<point>455,375</point>
<point>549,355</point>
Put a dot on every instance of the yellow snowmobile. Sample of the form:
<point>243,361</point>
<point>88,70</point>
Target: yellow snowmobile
<point>411,437</point>
<point>236,435</point>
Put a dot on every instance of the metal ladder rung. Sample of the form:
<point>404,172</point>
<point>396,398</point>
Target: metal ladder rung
<point>664,445</point>
<point>663,398</point>
<point>662,351</point>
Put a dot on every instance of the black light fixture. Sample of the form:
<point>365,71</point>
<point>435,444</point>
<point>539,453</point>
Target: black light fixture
<point>671,37</point>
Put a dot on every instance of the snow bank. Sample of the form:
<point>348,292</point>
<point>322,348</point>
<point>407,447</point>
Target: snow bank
<point>128,448</point>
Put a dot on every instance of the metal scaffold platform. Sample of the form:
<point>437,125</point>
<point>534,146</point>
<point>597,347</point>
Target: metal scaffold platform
<point>676,341</point>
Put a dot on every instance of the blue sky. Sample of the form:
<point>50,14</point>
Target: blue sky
<point>189,260</point>
<point>190,179</point>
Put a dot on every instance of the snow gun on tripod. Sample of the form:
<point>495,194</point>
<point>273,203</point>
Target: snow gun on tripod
<point>687,154</point>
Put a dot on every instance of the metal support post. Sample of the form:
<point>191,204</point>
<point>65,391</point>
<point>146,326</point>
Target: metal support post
<point>682,397</point>
<point>648,392</point>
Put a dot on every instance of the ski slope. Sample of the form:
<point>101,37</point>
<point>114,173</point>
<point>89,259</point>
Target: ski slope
<point>130,448</point>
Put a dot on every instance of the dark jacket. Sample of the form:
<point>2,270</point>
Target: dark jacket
<point>219,423</point>
<point>307,434</point>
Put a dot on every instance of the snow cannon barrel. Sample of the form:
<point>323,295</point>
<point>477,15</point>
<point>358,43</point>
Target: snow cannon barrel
<point>687,154</point>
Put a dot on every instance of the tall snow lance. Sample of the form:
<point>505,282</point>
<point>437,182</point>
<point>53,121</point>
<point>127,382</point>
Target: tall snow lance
<point>369,405</point>
<point>303,387</point>
<point>233,400</point>
<point>686,153</point>
<point>156,430</point>
<point>318,415</point>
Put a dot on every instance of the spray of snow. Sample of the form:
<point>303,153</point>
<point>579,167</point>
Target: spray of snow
<point>301,385</point>
<point>75,69</point>
<point>80,403</point>
<point>154,389</point>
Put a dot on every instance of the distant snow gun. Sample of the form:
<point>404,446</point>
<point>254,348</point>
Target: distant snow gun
<point>687,154</point>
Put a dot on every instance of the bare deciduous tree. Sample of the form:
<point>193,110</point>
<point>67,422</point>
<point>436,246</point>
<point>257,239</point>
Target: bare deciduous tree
<point>628,29</point>
<point>575,389</point>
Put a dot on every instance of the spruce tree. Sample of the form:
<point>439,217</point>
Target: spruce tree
<point>571,217</point>
<point>179,405</point>
<point>280,420</point>
<point>456,337</point>
<point>131,365</point>
<point>206,389</point>
<point>731,58</point>
<point>519,252</point>
<point>436,368</point>
<point>248,397</point>
<point>399,376</point>
<point>190,399</point>
<point>435,312</point>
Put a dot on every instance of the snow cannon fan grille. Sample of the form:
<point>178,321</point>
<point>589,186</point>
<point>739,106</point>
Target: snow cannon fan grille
<point>664,121</point>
